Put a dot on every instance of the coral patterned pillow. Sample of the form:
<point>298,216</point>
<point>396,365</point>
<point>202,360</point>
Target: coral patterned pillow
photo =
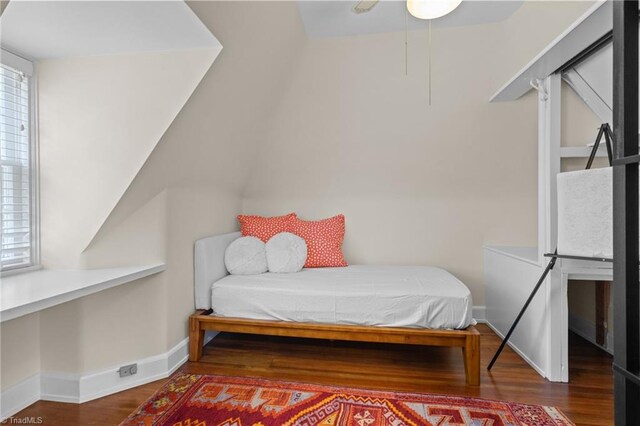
<point>263,227</point>
<point>324,240</point>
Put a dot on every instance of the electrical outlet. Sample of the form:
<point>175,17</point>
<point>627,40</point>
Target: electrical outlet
<point>128,370</point>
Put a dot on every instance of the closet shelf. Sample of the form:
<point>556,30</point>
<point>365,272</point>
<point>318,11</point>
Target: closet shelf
<point>581,151</point>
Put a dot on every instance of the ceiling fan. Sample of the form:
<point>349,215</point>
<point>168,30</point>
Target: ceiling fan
<point>364,6</point>
<point>422,9</point>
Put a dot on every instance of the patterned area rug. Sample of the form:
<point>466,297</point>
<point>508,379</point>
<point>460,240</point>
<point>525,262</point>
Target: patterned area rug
<point>203,400</point>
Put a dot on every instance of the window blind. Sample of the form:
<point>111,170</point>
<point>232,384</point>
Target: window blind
<point>15,177</point>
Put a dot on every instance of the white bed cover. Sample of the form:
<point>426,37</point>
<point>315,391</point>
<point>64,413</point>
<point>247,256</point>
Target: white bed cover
<point>390,296</point>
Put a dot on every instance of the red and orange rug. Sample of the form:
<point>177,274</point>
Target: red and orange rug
<point>202,400</point>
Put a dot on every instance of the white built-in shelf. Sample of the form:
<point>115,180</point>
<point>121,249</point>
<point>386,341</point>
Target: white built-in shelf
<point>30,292</point>
<point>525,254</point>
<point>581,151</point>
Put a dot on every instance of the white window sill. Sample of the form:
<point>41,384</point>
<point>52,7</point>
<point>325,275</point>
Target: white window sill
<point>30,292</point>
<point>23,270</point>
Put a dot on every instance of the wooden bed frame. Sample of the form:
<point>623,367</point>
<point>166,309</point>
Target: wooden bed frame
<point>209,268</point>
<point>467,339</point>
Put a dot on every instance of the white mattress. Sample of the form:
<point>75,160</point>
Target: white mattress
<point>390,296</point>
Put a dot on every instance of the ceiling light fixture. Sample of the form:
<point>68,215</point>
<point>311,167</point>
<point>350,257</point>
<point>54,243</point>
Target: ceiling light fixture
<point>431,9</point>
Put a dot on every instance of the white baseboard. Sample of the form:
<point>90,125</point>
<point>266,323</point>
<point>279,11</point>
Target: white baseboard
<point>19,396</point>
<point>479,314</point>
<point>533,365</point>
<point>587,330</point>
<point>79,388</point>
<point>76,388</point>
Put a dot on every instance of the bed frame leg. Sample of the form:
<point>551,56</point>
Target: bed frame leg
<point>196,339</point>
<point>471,353</point>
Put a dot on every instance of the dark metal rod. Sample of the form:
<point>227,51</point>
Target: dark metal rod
<point>626,160</point>
<point>634,378</point>
<point>549,267</point>
<point>588,51</point>
<point>626,276</point>
<point>596,145</point>
<point>608,135</point>
<point>568,256</point>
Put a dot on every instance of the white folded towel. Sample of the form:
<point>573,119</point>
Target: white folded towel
<point>585,213</point>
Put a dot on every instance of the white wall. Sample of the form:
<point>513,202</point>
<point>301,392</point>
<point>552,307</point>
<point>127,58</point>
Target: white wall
<point>19,352</point>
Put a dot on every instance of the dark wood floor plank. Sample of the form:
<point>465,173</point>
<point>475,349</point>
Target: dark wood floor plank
<point>587,399</point>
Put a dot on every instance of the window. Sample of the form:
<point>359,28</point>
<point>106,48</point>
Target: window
<point>19,206</point>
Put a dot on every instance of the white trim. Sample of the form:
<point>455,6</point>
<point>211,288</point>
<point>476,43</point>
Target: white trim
<point>533,365</point>
<point>28,67</point>
<point>559,332</point>
<point>479,314</point>
<point>60,387</point>
<point>34,168</point>
<point>79,388</point>
<point>523,254</point>
<point>549,135</point>
<point>65,387</point>
<point>19,396</point>
<point>550,114</point>
<point>16,62</point>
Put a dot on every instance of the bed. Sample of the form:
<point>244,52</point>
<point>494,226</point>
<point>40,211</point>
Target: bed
<point>415,305</point>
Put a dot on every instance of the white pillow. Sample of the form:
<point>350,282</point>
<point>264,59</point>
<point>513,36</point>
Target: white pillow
<point>286,252</point>
<point>246,256</point>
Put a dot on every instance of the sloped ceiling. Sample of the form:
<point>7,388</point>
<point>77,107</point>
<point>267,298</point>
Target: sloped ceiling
<point>62,29</point>
<point>97,132</point>
<point>212,144</point>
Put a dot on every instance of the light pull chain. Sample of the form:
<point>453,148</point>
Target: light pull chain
<point>406,41</point>
<point>406,52</point>
<point>429,62</point>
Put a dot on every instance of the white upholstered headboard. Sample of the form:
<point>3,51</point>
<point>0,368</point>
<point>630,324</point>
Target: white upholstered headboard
<point>208,263</point>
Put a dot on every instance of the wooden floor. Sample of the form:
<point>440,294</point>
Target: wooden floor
<point>587,399</point>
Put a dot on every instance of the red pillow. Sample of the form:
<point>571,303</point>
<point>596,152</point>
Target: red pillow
<point>324,240</point>
<point>263,227</point>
